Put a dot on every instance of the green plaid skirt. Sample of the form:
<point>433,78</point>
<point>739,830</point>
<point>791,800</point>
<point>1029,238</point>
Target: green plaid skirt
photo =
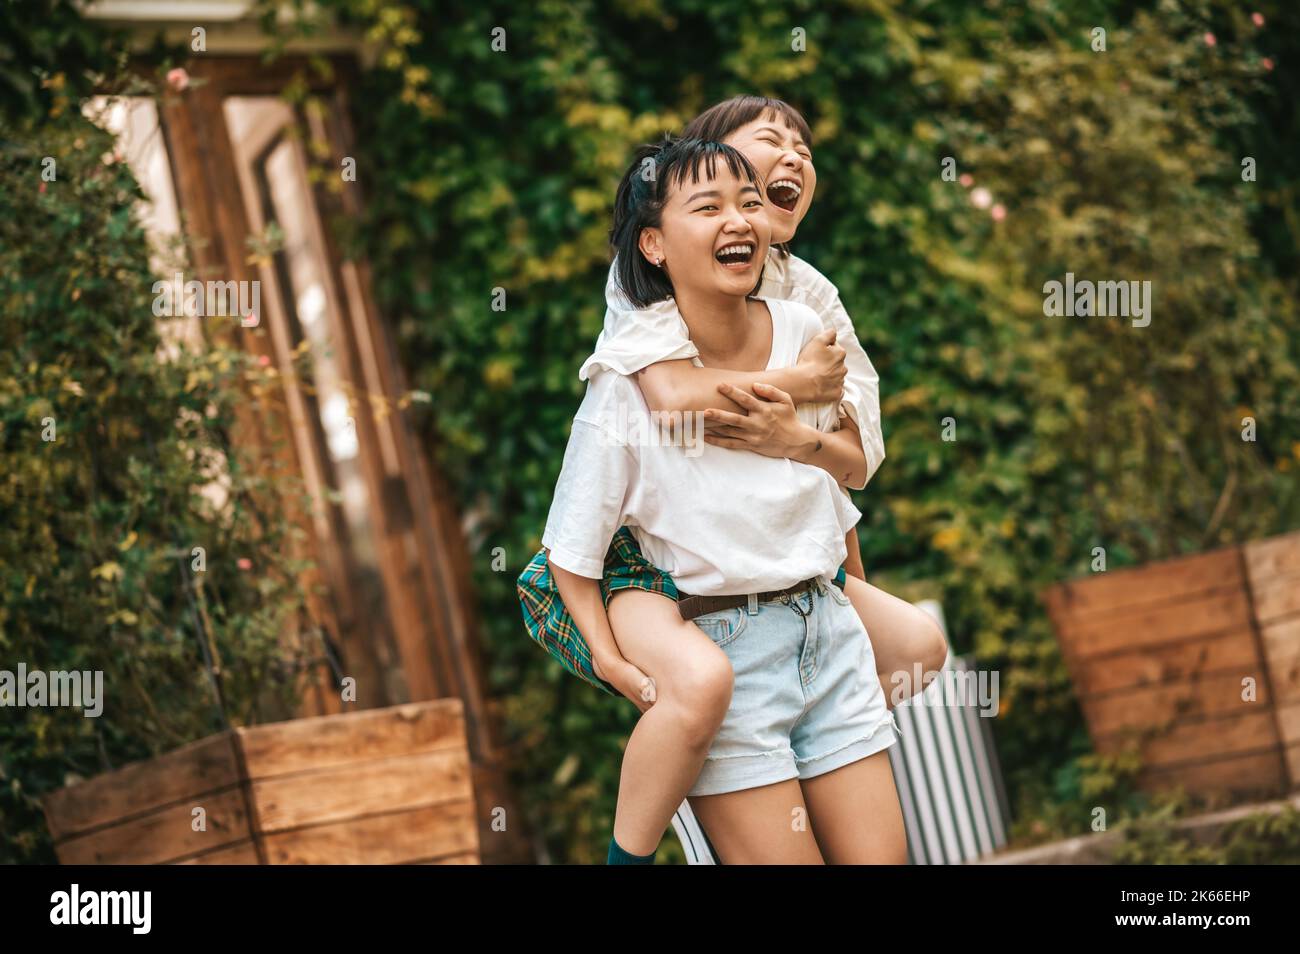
<point>551,626</point>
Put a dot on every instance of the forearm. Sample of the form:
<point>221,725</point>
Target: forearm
<point>682,386</point>
<point>581,596</point>
<point>839,453</point>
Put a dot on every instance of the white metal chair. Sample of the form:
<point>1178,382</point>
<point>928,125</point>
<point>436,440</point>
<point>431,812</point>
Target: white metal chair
<point>698,849</point>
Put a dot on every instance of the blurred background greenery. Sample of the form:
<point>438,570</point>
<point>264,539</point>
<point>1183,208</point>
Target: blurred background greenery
<point>492,169</point>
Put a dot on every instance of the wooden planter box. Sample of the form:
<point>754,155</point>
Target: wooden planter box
<point>380,786</point>
<point>1161,652</point>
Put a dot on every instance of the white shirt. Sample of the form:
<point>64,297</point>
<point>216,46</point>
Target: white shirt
<point>636,338</point>
<point>718,520</point>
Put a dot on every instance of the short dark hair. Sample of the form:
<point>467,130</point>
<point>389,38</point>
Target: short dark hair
<point>722,119</point>
<point>640,203</point>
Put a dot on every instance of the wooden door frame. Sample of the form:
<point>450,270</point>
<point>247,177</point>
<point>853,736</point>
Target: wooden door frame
<point>441,656</point>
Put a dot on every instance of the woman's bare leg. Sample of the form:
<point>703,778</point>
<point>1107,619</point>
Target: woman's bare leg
<point>902,636</point>
<point>693,682</point>
<point>855,813</point>
<point>768,825</point>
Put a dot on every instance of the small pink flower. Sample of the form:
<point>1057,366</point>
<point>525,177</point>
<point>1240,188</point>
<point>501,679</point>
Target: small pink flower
<point>1257,18</point>
<point>999,212</point>
<point>966,179</point>
<point>1268,63</point>
<point>42,188</point>
<point>244,563</point>
<point>1210,40</point>
<point>250,320</point>
<point>178,79</point>
<point>981,198</point>
<point>264,360</point>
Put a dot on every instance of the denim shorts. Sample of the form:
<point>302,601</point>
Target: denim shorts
<point>807,699</point>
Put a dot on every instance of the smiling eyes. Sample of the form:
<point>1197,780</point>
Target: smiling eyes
<point>749,203</point>
<point>802,150</point>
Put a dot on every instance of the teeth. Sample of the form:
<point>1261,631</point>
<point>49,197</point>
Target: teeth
<point>736,250</point>
<point>789,184</point>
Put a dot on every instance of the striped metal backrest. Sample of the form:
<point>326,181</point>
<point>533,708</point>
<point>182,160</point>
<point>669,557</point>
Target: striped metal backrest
<point>946,767</point>
<point>691,835</point>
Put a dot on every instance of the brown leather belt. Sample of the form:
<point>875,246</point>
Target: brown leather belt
<point>693,606</point>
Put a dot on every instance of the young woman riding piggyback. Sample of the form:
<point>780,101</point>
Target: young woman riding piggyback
<point>684,366</point>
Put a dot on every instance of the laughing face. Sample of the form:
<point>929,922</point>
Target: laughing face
<point>784,161</point>
<point>713,235</point>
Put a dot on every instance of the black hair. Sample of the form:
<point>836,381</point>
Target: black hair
<point>722,119</point>
<point>639,205</point>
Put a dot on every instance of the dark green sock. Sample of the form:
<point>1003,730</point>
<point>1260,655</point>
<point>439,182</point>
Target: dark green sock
<point>617,856</point>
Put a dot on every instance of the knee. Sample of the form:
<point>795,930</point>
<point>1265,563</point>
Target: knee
<point>701,696</point>
<point>925,641</point>
<point>933,644</point>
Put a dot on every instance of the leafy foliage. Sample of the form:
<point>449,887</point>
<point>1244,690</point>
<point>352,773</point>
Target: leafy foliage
<point>118,457</point>
<point>1260,838</point>
<point>489,169</point>
<point>496,169</point>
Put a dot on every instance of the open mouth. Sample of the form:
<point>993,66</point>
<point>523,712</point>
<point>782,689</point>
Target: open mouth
<point>784,194</point>
<point>735,255</point>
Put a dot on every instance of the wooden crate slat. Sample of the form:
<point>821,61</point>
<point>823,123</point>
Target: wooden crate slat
<point>1288,727</point>
<point>1242,733</point>
<point>1231,651</point>
<point>393,838</point>
<point>1292,756</point>
<point>240,853</point>
<point>137,788</point>
<point>1217,694</point>
<point>1274,556</point>
<point>1285,674</point>
<point>1259,774</point>
<point>163,835</point>
<point>340,792</point>
<point>1281,639</point>
<point>1277,598</point>
<point>464,858</point>
<point>1134,589</point>
<point>322,741</point>
<point>1204,615</point>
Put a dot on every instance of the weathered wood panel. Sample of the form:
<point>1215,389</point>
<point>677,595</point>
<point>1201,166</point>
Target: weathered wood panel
<point>372,787</point>
<point>1163,654</point>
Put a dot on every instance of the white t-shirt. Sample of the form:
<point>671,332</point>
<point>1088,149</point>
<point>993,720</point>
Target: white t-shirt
<point>636,338</point>
<point>718,520</point>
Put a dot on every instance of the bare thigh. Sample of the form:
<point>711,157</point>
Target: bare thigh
<point>672,651</point>
<point>856,815</point>
<point>904,638</point>
<point>768,825</point>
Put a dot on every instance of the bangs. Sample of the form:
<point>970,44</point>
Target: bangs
<point>697,154</point>
<point>721,120</point>
<point>789,117</point>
